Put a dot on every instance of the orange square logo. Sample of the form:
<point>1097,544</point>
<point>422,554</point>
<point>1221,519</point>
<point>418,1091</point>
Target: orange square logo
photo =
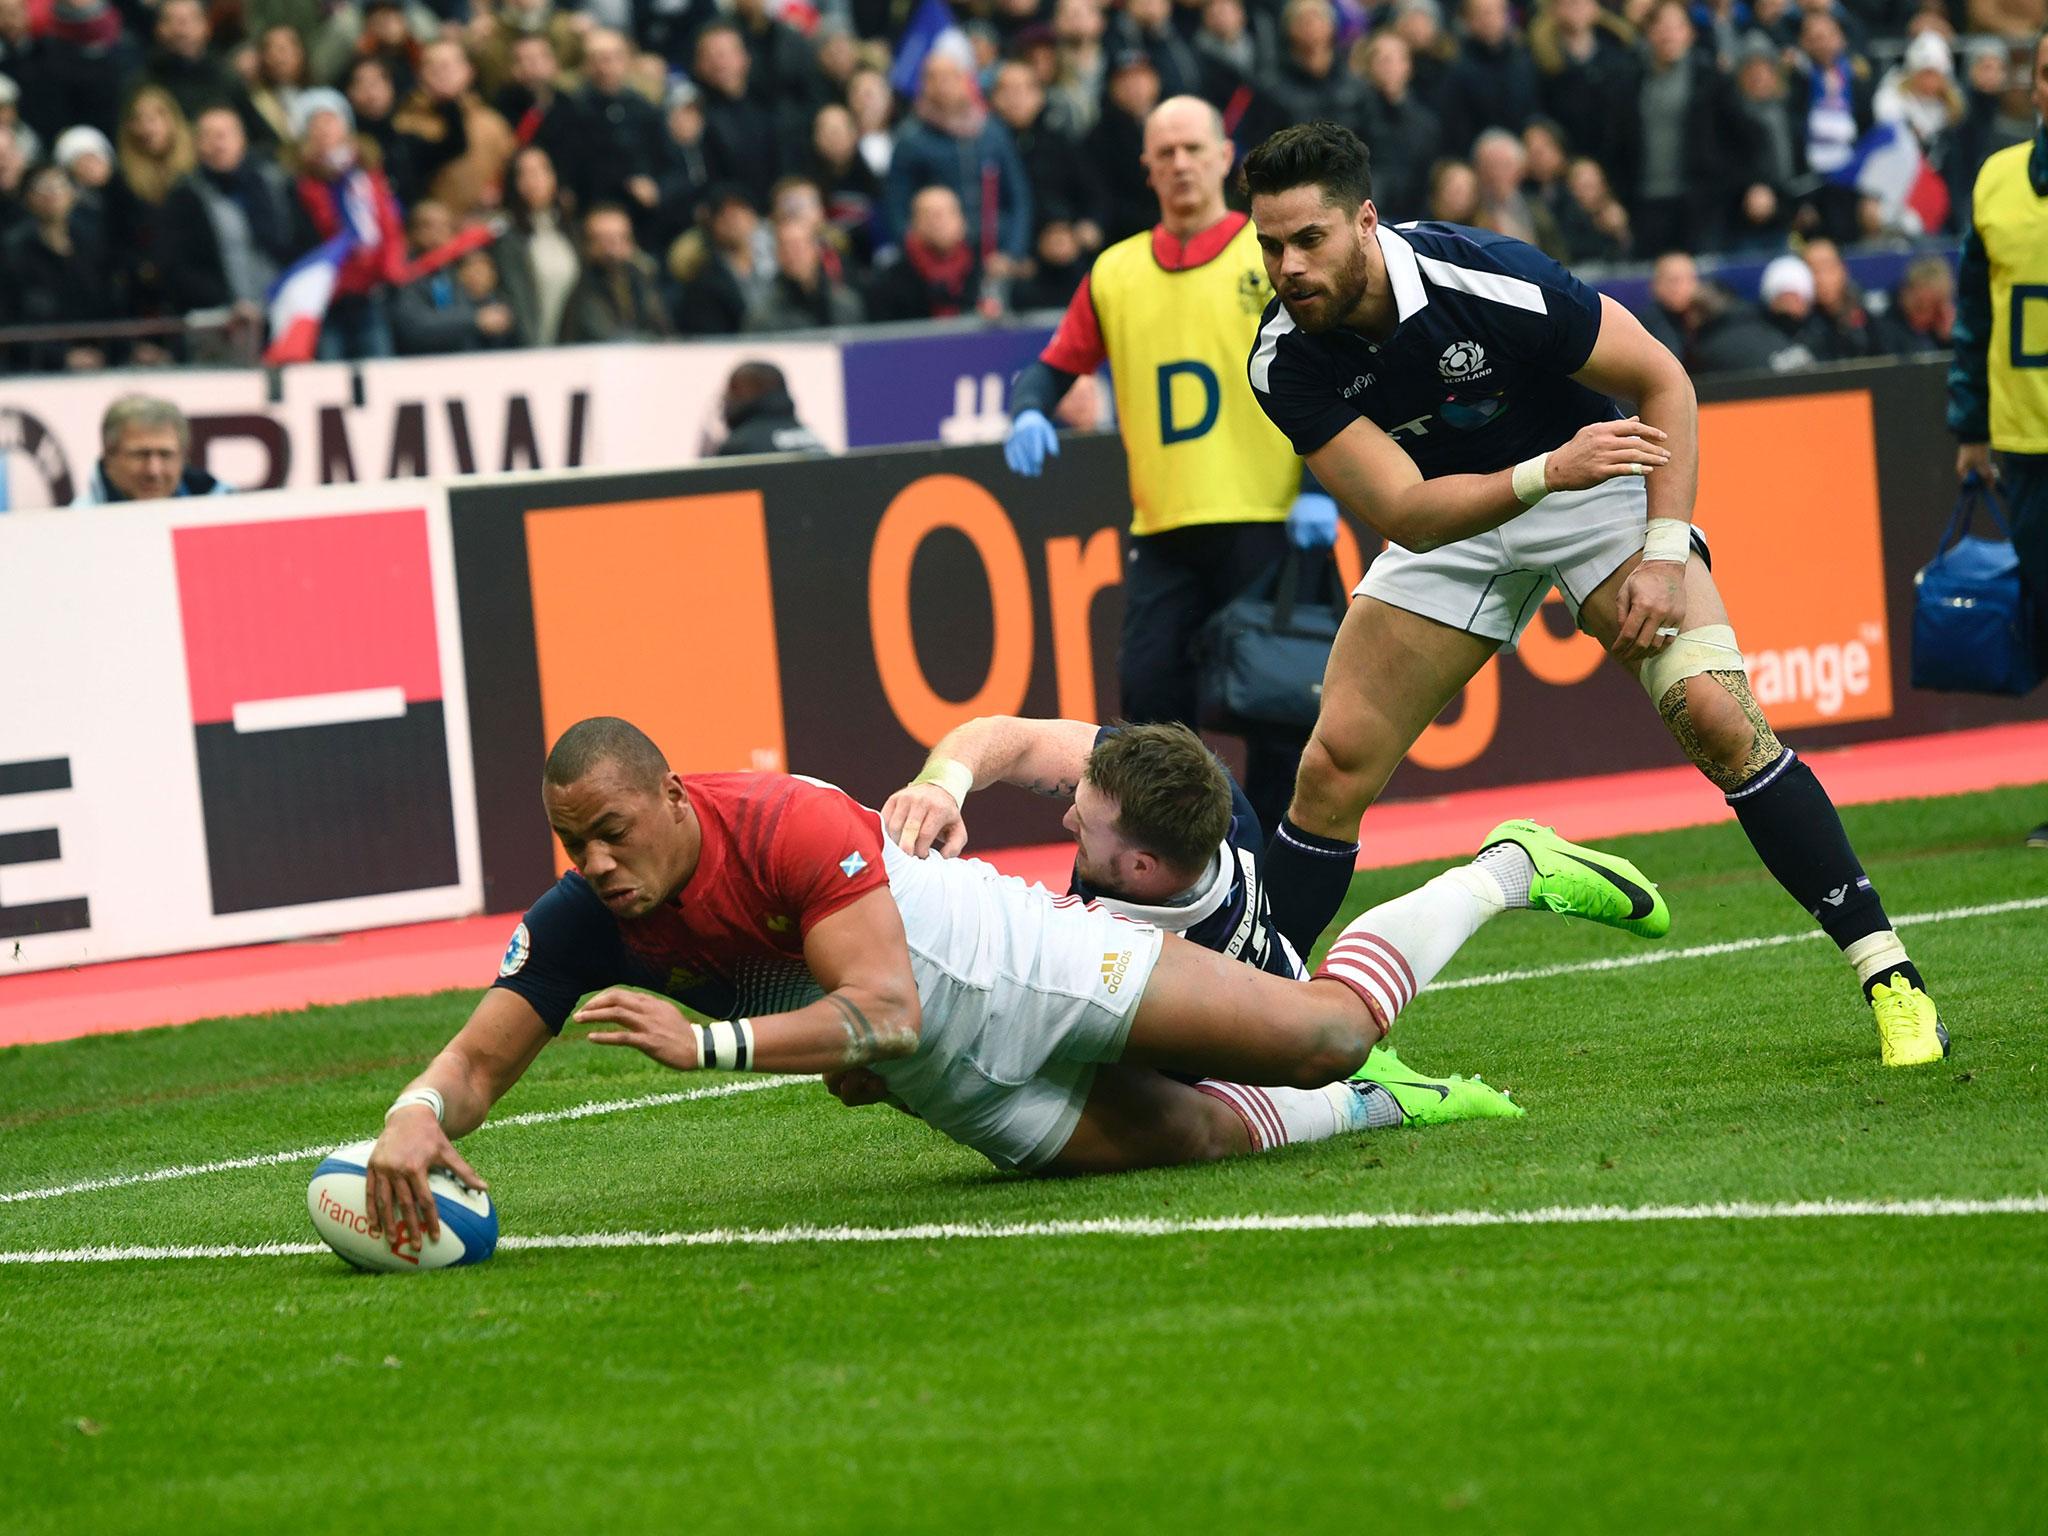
<point>1788,499</point>
<point>660,611</point>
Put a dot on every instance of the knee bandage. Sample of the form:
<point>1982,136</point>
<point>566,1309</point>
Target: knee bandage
<point>1709,651</point>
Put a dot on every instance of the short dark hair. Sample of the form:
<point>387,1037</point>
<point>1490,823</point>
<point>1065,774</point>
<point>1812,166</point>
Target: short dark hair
<point>361,62</point>
<point>719,24</point>
<point>606,739</point>
<point>721,195</point>
<point>1325,155</point>
<point>753,379</point>
<point>1172,795</point>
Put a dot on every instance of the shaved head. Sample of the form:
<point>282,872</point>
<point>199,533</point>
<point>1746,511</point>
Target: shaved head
<point>1178,105</point>
<point>588,744</point>
<point>1187,160</point>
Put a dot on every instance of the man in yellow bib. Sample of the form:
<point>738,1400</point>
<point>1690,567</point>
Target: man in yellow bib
<point>1216,491</point>
<point>1998,383</point>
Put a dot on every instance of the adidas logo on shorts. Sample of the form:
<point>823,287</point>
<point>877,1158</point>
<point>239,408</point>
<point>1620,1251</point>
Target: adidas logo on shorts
<point>1115,964</point>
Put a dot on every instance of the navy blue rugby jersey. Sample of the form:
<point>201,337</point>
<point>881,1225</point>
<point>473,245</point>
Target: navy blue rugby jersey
<point>1232,914</point>
<point>1475,378</point>
<point>568,945</point>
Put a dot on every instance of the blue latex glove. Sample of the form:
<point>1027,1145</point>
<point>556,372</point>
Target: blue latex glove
<point>1031,438</point>
<point>1313,522</point>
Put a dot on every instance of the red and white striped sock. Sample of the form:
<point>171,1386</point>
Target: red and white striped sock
<point>1279,1117</point>
<point>1389,954</point>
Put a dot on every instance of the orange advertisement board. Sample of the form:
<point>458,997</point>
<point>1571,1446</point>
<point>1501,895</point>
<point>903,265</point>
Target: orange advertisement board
<point>1788,500</point>
<point>660,611</point>
<point>839,614</point>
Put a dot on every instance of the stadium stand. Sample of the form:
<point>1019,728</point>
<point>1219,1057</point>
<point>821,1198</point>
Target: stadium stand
<point>740,137</point>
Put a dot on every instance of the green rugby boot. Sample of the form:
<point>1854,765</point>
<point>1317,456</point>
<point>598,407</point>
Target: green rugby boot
<point>1433,1100</point>
<point>1576,881</point>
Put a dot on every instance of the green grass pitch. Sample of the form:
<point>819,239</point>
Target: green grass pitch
<point>1851,1374</point>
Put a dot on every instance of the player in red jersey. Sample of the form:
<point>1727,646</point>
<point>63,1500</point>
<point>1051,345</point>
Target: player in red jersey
<point>992,1009</point>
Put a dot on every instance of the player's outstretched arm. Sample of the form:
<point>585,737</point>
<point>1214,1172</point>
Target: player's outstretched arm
<point>473,1071</point>
<point>1047,756</point>
<point>1376,481</point>
<point>869,1012</point>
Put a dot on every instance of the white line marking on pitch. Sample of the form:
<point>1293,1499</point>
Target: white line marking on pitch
<point>306,1154</point>
<point>1123,1226</point>
<point>655,1100</point>
<point>1731,947</point>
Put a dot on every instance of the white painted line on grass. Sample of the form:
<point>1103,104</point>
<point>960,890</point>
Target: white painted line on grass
<point>307,1154</point>
<point>1731,947</point>
<point>193,1251</point>
<point>351,708</point>
<point>1124,1226</point>
<point>748,1085</point>
<point>644,1101</point>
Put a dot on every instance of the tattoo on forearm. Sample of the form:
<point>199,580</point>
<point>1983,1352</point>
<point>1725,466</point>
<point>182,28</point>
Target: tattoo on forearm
<point>1057,789</point>
<point>860,1034</point>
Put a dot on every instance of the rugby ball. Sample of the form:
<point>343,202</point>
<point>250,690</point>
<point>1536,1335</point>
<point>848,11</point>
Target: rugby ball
<point>338,1202</point>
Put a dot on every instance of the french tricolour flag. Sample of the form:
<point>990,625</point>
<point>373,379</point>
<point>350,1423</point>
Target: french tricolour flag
<point>302,292</point>
<point>1887,164</point>
<point>299,300</point>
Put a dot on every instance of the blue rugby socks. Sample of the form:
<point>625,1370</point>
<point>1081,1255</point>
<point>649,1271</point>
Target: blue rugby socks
<point>1798,835</point>
<point>1307,879</point>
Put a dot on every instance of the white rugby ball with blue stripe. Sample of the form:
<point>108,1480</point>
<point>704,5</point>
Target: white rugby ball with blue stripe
<point>338,1202</point>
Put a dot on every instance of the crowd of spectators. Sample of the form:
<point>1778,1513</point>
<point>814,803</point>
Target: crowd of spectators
<point>708,167</point>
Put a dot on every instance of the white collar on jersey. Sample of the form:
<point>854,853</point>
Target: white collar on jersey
<point>1403,273</point>
<point>1199,901</point>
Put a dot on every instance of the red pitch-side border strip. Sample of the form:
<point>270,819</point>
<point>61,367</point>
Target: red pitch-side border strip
<point>432,957</point>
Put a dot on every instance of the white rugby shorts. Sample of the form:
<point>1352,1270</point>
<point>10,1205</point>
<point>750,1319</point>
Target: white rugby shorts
<point>1023,995</point>
<point>1492,583</point>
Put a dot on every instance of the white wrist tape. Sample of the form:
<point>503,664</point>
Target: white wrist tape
<point>954,777</point>
<point>1531,485</point>
<point>727,1045</point>
<point>1667,538</point>
<point>426,1096</point>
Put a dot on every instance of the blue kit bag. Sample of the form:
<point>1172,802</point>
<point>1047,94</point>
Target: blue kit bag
<point>1259,659</point>
<point>1973,622</point>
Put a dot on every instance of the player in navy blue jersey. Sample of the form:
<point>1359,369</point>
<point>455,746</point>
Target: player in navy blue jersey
<point>1455,390</point>
<point>1184,855</point>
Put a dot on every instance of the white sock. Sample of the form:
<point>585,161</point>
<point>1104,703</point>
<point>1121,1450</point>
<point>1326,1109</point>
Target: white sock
<point>1511,866</point>
<point>1389,954</point>
<point>1279,1117</point>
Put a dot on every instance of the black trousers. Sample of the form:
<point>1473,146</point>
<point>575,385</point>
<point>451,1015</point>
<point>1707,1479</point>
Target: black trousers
<point>2023,486</point>
<point>1173,581</point>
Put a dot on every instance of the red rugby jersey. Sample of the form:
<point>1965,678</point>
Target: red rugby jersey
<point>780,855</point>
